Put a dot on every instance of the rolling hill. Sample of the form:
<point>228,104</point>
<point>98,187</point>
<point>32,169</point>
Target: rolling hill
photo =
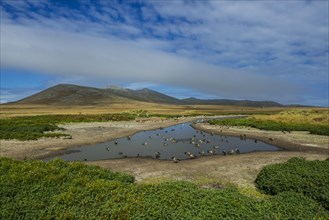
<point>68,94</point>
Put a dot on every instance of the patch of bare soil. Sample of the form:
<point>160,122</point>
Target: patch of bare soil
<point>241,169</point>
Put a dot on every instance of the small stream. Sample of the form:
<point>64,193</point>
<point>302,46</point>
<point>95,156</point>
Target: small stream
<point>181,141</point>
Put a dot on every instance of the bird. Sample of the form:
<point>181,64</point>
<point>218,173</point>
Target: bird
<point>145,143</point>
<point>174,159</point>
<point>256,141</point>
<point>129,138</point>
<point>202,153</point>
<point>237,151</point>
<point>224,152</point>
<point>216,147</point>
<point>120,153</point>
<point>192,156</point>
<point>231,152</point>
<point>165,144</point>
<point>157,155</point>
<point>108,149</point>
<point>115,142</point>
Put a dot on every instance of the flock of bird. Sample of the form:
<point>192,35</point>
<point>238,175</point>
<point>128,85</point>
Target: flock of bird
<point>195,140</point>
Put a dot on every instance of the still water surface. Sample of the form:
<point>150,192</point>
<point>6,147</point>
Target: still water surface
<point>180,140</point>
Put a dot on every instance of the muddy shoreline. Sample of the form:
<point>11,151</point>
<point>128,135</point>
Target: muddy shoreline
<point>273,138</point>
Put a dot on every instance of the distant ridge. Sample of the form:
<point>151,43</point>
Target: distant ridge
<point>249,103</point>
<point>68,94</point>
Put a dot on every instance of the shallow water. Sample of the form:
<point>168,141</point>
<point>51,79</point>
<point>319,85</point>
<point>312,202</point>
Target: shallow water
<point>180,140</point>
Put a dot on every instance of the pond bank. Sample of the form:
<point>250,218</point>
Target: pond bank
<point>300,141</point>
<point>241,169</point>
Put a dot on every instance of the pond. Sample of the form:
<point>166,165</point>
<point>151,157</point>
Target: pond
<point>181,141</point>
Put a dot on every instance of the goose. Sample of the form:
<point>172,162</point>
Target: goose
<point>187,153</point>
<point>231,152</point>
<point>115,142</point>
<point>157,155</point>
<point>165,144</point>
<point>174,159</point>
<point>237,151</point>
<point>108,149</point>
<point>202,153</point>
<point>145,143</point>
<point>197,145</point>
<point>192,156</point>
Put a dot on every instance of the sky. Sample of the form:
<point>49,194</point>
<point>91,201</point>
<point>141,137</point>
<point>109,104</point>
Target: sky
<point>251,49</point>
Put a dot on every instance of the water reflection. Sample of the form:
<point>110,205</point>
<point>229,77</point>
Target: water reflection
<point>176,142</point>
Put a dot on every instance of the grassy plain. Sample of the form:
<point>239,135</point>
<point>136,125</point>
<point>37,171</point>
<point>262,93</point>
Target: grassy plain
<point>12,110</point>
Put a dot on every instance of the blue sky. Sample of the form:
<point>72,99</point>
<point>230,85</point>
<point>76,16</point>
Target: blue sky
<point>258,50</point>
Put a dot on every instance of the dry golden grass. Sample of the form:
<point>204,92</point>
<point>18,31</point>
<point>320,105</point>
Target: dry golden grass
<point>307,116</point>
<point>12,110</point>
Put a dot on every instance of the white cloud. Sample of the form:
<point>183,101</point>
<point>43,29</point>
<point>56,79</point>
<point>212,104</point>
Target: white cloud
<point>231,49</point>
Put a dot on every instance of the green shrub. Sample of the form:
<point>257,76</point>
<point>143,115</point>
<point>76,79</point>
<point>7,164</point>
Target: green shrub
<point>310,178</point>
<point>62,190</point>
<point>292,205</point>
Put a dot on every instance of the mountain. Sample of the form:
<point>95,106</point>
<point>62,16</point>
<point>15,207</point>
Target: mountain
<point>67,94</point>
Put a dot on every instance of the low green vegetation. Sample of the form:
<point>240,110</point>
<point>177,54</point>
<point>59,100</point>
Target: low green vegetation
<point>62,190</point>
<point>314,121</point>
<point>310,178</point>
<point>34,127</point>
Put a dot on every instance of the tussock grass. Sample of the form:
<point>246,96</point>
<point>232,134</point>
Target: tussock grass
<point>314,121</point>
